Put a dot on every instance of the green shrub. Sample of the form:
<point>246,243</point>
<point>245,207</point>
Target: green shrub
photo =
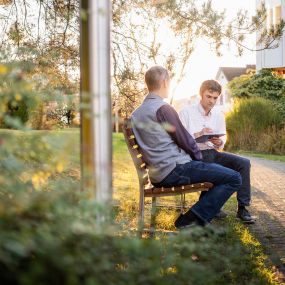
<point>264,84</point>
<point>53,238</point>
<point>49,232</point>
<point>273,141</point>
<point>18,110</point>
<point>249,120</point>
<point>36,121</point>
<point>17,96</point>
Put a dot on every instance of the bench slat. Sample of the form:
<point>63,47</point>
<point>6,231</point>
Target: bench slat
<point>149,190</point>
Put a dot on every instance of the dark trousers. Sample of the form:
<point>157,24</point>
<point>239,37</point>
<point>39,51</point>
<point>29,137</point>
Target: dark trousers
<point>237,163</point>
<point>226,181</point>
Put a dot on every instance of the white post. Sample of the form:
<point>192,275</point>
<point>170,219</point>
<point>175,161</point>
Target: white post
<point>99,76</point>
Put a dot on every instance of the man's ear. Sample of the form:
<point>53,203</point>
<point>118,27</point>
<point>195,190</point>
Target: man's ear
<point>165,83</point>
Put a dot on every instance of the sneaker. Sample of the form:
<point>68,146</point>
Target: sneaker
<point>244,215</point>
<point>221,215</point>
<point>182,222</point>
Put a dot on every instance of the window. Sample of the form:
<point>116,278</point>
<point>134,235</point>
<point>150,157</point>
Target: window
<point>277,15</point>
<point>269,18</point>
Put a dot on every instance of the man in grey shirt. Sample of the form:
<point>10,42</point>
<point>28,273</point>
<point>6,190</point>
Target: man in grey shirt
<point>172,155</point>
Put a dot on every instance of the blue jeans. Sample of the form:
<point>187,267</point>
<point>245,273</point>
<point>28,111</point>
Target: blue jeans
<point>226,181</point>
<point>237,163</point>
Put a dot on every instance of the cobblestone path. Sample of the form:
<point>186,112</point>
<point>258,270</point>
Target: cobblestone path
<point>268,204</point>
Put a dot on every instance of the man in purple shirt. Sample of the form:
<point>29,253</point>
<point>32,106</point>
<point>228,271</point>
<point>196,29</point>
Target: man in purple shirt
<point>172,155</point>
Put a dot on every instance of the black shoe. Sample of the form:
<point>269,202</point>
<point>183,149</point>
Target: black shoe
<point>221,215</point>
<point>182,222</point>
<point>244,215</point>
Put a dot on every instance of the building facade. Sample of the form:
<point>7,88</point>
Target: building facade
<point>224,76</point>
<point>272,58</point>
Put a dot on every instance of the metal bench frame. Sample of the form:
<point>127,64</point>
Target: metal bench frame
<point>146,188</point>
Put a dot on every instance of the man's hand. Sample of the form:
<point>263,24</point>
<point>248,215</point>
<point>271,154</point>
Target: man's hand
<point>204,131</point>
<point>217,142</point>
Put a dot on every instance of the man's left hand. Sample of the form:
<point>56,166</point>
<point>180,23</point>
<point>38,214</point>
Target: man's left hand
<point>217,142</point>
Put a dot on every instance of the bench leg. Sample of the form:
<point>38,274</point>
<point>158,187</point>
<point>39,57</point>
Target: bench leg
<point>182,203</point>
<point>141,215</point>
<point>152,217</point>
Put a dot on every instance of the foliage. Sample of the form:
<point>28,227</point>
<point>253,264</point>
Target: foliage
<point>18,98</point>
<point>50,37</point>
<point>249,121</point>
<point>239,86</point>
<point>134,50</point>
<point>259,126</point>
<point>63,115</point>
<point>51,235</point>
<point>60,243</point>
<point>24,100</point>
<point>273,141</point>
<point>45,37</point>
<point>45,42</point>
<point>265,84</point>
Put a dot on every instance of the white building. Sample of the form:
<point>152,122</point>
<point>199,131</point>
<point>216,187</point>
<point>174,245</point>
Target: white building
<point>272,58</point>
<point>224,76</point>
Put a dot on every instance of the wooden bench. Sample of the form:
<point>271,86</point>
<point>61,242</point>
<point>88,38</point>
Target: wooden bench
<point>146,188</point>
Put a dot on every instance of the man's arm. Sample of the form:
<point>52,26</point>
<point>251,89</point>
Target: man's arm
<point>168,116</point>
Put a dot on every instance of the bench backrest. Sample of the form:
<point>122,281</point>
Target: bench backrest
<point>136,155</point>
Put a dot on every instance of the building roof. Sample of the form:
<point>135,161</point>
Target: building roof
<point>232,72</point>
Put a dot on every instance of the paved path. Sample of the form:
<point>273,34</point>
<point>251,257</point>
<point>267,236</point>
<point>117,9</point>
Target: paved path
<point>268,204</point>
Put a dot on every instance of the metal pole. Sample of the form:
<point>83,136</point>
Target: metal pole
<point>86,134</point>
<point>96,126</point>
<point>99,57</point>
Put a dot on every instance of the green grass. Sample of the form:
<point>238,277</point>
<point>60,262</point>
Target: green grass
<point>254,266</point>
<point>263,155</point>
<point>254,261</point>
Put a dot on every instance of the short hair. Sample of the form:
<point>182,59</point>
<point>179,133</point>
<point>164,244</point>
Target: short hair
<point>154,76</point>
<point>210,85</point>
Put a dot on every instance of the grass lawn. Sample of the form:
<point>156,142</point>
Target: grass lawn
<point>253,266</point>
<point>263,155</point>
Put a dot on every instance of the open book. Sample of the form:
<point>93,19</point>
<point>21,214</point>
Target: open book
<point>206,137</point>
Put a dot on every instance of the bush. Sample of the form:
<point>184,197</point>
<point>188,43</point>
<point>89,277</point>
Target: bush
<point>53,238</point>
<point>49,232</point>
<point>273,141</point>
<point>36,116</point>
<point>264,84</point>
<point>18,110</point>
<point>18,98</point>
<point>249,121</point>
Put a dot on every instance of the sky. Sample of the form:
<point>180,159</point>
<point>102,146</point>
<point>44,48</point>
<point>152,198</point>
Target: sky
<point>204,63</point>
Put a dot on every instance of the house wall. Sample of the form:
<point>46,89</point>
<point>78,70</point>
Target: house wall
<point>225,97</point>
<point>272,58</point>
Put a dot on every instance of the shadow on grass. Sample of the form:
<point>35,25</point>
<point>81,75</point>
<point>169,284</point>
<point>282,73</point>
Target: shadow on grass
<point>249,261</point>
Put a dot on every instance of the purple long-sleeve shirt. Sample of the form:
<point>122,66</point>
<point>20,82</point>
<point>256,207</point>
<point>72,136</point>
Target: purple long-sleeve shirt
<point>167,116</point>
